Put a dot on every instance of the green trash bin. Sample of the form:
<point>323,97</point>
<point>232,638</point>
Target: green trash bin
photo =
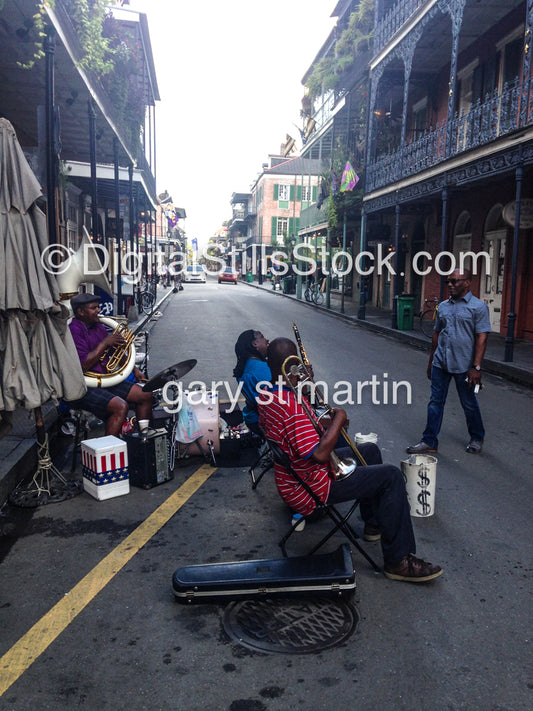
<point>249,277</point>
<point>405,306</point>
<point>289,284</point>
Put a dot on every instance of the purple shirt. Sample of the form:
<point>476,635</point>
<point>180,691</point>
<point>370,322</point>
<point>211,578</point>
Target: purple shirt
<point>86,339</point>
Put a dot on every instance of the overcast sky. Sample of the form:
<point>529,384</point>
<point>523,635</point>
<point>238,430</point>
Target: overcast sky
<point>229,75</point>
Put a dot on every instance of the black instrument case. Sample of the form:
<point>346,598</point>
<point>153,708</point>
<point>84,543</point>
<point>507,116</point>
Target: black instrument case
<point>327,574</point>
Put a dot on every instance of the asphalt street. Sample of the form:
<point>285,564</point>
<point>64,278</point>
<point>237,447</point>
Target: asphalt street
<point>88,617</point>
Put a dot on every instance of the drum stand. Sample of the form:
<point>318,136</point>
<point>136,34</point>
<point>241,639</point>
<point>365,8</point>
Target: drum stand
<point>209,456</point>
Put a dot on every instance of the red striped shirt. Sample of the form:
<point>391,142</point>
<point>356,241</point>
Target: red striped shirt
<point>284,421</point>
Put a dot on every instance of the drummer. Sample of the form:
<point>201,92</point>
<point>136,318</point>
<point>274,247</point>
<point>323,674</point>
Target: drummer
<point>91,339</point>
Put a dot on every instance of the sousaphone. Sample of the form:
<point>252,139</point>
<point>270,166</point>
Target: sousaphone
<point>84,266</point>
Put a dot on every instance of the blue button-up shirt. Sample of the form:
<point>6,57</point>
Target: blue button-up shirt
<point>458,323</point>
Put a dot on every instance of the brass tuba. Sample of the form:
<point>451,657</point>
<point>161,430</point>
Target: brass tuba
<point>84,266</point>
<point>294,366</point>
<point>121,359</point>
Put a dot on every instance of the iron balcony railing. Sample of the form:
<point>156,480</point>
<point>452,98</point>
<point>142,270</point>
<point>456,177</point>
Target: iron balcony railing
<point>386,27</point>
<point>499,114</point>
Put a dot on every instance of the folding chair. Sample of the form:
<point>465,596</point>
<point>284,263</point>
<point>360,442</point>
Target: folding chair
<point>265,461</point>
<point>339,520</point>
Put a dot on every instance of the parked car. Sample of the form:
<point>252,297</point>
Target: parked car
<point>229,275</point>
<point>194,272</point>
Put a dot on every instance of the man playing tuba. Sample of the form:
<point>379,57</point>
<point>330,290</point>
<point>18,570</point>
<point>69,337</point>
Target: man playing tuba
<point>93,343</point>
<point>379,487</point>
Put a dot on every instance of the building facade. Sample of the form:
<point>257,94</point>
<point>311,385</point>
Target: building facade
<point>88,133</point>
<point>268,217</point>
<point>449,153</point>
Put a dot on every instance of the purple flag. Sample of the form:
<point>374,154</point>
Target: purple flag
<point>349,178</point>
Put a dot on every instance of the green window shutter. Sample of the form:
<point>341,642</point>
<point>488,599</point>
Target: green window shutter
<point>274,234</point>
<point>294,226</point>
<point>291,193</point>
<point>276,191</point>
<point>315,193</point>
<point>291,227</point>
<point>299,193</point>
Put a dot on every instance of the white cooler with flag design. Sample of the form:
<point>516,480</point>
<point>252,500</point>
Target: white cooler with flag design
<point>105,467</point>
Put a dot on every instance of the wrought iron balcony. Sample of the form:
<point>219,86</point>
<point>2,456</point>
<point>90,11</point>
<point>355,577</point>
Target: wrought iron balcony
<point>499,114</point>
<point>387,26</point>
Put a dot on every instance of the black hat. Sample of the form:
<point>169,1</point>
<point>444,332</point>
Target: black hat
<point>81,299</point>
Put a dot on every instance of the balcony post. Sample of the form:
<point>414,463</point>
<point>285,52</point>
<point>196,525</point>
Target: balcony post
<point>51,149</point>
<point>92,159</point>
<point>526,66</point>
<point>443,235</point>
<point>511,316</point>
<point>394,323</point>
<point>362,279</point>
<point>456,14</point>
<point>118,237</point>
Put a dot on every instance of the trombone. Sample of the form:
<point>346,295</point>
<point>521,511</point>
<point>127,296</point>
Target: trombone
<point>303,367</point>
<point>294,366</point>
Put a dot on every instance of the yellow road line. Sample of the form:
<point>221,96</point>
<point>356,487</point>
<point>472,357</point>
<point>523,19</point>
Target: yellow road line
<point>24,652</point>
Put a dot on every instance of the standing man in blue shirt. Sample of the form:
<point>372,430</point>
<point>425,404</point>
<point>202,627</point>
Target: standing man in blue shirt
<point>457,349</point>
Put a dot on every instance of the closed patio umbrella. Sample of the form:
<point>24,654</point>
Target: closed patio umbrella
<point>38,359</point>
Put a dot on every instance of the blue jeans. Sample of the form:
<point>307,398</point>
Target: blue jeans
<point>440,381</point>
<point>383,501</point>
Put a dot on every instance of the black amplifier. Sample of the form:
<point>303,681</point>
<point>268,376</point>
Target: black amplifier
<point>148,459</point>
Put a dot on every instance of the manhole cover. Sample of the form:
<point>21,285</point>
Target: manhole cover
<point>288,625</point>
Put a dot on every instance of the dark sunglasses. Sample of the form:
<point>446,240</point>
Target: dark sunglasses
<point>453,282</point>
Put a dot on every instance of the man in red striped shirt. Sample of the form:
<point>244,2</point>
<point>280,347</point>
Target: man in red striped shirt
<point>379,487</point>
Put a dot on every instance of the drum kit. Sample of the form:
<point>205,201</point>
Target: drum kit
<point>193,427</point>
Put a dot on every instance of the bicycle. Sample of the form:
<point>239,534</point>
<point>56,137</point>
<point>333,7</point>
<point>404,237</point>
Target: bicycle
<point>146,296</point>
<point>429,316</point>
<point>313,294</point>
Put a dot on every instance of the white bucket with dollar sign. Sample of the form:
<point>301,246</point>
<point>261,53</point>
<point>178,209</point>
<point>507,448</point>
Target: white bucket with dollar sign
<point>420,474</point>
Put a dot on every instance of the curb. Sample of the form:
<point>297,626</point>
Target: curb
<point>148,317</point>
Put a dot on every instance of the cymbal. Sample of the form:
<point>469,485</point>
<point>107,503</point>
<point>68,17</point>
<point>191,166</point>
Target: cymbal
<point>174,372</point>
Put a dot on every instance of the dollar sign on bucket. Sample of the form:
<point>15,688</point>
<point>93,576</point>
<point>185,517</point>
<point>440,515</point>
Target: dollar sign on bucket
<point>420,473</point>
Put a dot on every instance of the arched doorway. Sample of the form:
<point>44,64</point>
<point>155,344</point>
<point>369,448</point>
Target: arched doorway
<point>462,236</point>
<point>494,240</point>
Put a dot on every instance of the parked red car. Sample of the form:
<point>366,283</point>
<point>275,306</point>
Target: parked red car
<point>228,275</point>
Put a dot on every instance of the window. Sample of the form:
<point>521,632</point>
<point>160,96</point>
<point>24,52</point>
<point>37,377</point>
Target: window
<point>282,226</point>
<point>420,117</point>
<point>306,193</point>
<point>466,86</point>
<point>283,192</point>
<point>510,56</point>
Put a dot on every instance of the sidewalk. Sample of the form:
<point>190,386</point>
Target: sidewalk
<point>519,371</point>
<point>18,450</point>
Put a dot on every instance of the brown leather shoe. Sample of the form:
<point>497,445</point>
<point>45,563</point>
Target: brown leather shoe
<point>421,448</point>
<point>412,569</point>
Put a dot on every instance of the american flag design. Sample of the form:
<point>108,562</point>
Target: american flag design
<point>104,460</point>
<point>107,477</point>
